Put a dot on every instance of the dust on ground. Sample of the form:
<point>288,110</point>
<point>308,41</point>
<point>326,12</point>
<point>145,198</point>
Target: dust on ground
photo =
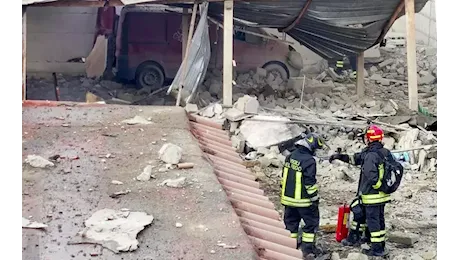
<point>94,148</point>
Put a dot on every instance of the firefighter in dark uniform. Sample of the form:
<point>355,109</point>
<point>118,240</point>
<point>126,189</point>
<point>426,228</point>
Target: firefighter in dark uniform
<point>299,193</point>
<point>339,66</point>
<point>372,199</point>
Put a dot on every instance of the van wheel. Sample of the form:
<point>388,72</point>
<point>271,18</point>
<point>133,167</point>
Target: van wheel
<point>277,68</point>
<point>149,75</point>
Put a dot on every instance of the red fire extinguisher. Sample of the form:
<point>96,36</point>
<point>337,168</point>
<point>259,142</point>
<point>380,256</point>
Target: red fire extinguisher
<point>341,231</point>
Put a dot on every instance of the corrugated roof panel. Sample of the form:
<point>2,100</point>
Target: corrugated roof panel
<point>257,214</point>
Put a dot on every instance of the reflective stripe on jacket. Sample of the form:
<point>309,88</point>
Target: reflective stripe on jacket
<point>298,187</point>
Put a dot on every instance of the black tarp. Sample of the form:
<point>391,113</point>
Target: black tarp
<point>330,28</point>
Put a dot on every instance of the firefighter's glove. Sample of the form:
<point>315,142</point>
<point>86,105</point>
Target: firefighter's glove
<point>338,156</point>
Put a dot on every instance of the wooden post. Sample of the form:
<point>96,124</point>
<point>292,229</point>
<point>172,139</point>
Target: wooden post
<point>185,26</point>
<point>185,61</point>
<point>360,75</point>
<point>228,54</point>
<point>411,55</point>
<point>24,52</point>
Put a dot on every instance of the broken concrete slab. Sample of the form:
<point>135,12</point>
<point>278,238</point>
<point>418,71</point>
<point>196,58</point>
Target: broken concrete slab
<point>208,112</point>
<point>174,183</point>
<point>247,104</point>
<point>37,161</point>
<point>113,229</point>
<point>261,72</point>
<point>408,239</point>
<point>137,120</point>
<point>191,108</point>
<point>238,143</point>
<point>268,133</point>
<point>146,173</point>
<point>32,224</point>
<point>428,79</point>
<point>235,115</point>
<point>170,153</point>
<point>386,62</point>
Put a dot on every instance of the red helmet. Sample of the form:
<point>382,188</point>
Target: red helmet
<point>374,133</point>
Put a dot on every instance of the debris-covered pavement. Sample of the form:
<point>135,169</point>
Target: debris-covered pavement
<point>69,206</point>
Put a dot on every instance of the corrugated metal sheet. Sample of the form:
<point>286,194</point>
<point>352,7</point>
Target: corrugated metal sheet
<point>333,28</point>
<point>257,214</point>
<point>196,62</point>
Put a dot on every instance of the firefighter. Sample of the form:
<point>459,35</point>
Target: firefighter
<point>299,193</point>
<point>372,199</point>
<point>339,66</point>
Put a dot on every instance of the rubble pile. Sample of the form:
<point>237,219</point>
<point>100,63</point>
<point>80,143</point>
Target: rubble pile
<point>268,116</point>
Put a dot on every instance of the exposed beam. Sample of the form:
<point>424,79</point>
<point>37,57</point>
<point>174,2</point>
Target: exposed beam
<point>390,22</point>
<point>301,14</point>
<point>228,54</point>
<point>360,75</point>
<point>186,60</point>
<point>411,55</point>
<point>99,3</point>
<point>185,26</point>
<point>24,52</point>
<point>249,32</point>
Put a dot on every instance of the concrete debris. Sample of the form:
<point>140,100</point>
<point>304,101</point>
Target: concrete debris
<point>178,225</point>
<point>37,161</point>
<point>426,79</point>
<point>335,256</point>
<point>408,239</point>
<point>208,112</point>
<point>146,174</point>
<point>357,256</point>
<point>191,108</point>
<point>117,194</point>
<point>247,104</point>
<point>26,223</point>
<point>113,229</point>
<point>115,182</point>
<point>234,114</point>
<point>170,153</point>
<point>225,246</point>
<point>238,143</point>
<point>266,134</point>
<point>429,255</point>
<point>137,120</point>
<point>174,183</point>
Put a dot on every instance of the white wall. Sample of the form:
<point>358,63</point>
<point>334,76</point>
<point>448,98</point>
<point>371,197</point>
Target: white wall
<point>57,34</point>
<point>425,25</point>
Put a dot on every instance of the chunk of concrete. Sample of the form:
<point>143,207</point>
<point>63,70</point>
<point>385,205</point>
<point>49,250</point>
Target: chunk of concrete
<point>174,183</point>
<point>137,120</point>
<point>268,133</point>
<point>146,173</point>
<point>428,79</point>
<point>113,229</point>
<point>218,109</point>
<point>170,153</point>
<point>389,142</point>
<point>208,112</point>
<point>234,114</point>
<point>408,239</point>
<point>37,161</point>
<point>247,104</point>
<point>191,108</point>
<point>32,224</point>
<point>238,143</point>
<point>357,256</point>
<point>261,72</point>
<point>386,62</point>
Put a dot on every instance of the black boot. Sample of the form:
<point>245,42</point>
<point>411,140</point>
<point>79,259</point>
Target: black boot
<point>310,251</point>
<point>353,239</point>
<point>377,249</point>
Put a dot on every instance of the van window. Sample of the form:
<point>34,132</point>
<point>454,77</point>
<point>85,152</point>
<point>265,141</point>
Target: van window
<point>146,27</point>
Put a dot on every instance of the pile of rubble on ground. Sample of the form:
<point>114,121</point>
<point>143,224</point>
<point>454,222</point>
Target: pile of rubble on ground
<point>268,116</point>
<point>83,89</point>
